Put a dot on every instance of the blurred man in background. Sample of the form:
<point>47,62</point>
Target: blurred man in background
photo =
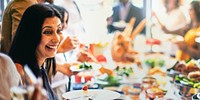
<point>122,13</point>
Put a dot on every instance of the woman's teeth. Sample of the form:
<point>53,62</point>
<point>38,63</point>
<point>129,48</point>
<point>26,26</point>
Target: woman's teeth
<point>52,47</point>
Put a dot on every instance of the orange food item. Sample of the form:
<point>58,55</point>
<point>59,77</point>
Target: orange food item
<point>106,70</point>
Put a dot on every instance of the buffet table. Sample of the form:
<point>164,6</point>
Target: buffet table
<point>130,84</point>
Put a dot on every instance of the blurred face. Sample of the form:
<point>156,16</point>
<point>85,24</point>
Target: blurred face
<point>65,21</point>
<point>171,4</point>
<point>124,1</point>
<point>192,13</point>
<point>50,39</point>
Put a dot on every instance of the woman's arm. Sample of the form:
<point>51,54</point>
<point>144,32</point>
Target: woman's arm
<point>193,52</point>
<point>64,68</point>
<point>180,32</point>
<point>71,42</point>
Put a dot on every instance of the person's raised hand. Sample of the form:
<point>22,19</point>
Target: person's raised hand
<point>69,43</point>
<point>84,56</point>
<point>165,29</point>
<point>65,68</point>
<point>181,45</point>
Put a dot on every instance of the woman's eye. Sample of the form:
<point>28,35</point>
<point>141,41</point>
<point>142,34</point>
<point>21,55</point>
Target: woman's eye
<point>47,32</point>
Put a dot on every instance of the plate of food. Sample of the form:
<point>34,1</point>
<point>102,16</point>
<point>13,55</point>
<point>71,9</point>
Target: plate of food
<point>91,94</point>
<point>85,66</point>
<point>120,24</point>
<point>76,68</point>
<point>188,85</point>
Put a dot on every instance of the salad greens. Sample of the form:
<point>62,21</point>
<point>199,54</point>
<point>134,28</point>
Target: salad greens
<point>153,62</point>
<point>111,81</point>
<point>85,65</point>
<point>124,71</point>
<point>186,81</point>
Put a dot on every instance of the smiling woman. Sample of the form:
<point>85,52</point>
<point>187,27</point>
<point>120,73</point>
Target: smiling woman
<point>35,44</point>
<point>50,40</point>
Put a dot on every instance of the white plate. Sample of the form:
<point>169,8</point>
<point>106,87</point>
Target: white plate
<point>76,68</point>
<point>120,24</point>
<point>96,94</point>
<point>95,66</point>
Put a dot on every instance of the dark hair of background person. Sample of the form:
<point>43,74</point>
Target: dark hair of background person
<point>196,7</point>
<point>28,37</point>
<point>50,1</point>
<point>177,4</point>
<point>62,11</point>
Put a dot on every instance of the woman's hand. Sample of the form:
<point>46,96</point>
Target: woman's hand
<point>182,46</point>
<point>71,42</point>
<point>39,93</point>
<point>165,29</point>
<point>65,68</point>
<point>86,56</point>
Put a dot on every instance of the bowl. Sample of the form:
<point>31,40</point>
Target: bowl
<point>153,93</point>
<point>186,90</point>
<point>149,80</point>
<point>172,74</point>
<point>134,91</point>
<point>196,96</point>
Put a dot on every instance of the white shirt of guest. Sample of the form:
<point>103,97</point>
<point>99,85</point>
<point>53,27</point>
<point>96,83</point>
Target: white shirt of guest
<point>124,9</point>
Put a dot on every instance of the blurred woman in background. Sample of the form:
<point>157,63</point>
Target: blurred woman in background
<point>189,48</point>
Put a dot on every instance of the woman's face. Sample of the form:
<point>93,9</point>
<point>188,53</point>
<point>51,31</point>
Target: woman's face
<point>65,20</point>
<point>171,4</point>
<point>50,39</point>
<point>192,13</point>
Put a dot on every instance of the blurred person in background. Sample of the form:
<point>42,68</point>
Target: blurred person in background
<point>8,76</point>
<point>188,48</point>
<point>122,13</point>
<point>171,14</point>
<point>87,19</point>
<point>173,17</point>
<point>11,18</point>
<point>75,22</point>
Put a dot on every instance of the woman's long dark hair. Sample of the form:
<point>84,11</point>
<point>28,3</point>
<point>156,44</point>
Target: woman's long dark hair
<point>28,37</point>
